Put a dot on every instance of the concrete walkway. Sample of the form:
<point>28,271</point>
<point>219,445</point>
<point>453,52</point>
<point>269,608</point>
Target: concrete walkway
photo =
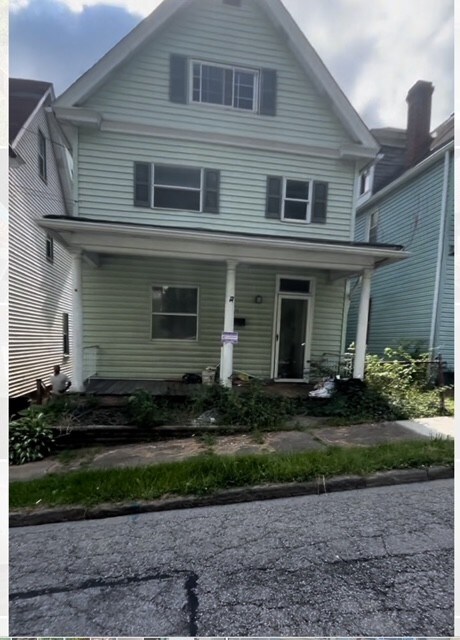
<point>440,427</point>
<point>176,449</point>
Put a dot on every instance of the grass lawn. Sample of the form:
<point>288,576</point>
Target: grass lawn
<point>206,474</point>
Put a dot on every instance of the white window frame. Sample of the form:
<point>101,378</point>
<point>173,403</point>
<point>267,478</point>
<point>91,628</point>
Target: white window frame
<point>234,68</point>
<point>190,315</point>
<point>42,156</point>
<point>49,242</point>
<point>368,185</point>
<point>166,186</point>
<point>308,202</point>
<point>372,223</point>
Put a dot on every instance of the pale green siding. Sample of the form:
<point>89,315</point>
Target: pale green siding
<point>402,294</point>
<point>118,313</point>
<point>212,31</point>
<point>105,171</point>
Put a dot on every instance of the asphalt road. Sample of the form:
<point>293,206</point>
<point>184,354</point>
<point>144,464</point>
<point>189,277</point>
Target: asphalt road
<point>374,562</point>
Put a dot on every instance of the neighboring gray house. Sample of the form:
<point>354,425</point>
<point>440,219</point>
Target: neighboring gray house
<point>40,319</point>
<point>215,163</point>
<point>407,197</point>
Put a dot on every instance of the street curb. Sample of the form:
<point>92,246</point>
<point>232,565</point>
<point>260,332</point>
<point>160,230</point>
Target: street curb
<point>319,486</point>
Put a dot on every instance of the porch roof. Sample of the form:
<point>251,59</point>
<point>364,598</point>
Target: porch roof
<point>106,237</point>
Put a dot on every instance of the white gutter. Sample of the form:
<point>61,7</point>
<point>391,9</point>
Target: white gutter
<point>272,242</point>
<point>407,175</point>
<point>441,242</point>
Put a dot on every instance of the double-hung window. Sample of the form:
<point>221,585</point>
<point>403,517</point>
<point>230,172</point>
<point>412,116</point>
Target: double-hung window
<point>174,312</point>
<point>294,200</point>
<point>373,226</point>
<point>41,155</point>
<point>235,87</point>
<point>173,187</point>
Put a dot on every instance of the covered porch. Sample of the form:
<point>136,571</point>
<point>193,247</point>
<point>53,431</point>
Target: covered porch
<point>153,302</point>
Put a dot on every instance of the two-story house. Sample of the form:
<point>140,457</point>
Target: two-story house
<point>407,196</point>
<point>40,184</point>
<point>215,160</point>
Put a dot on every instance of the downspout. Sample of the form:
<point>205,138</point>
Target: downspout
<point>439,262</point>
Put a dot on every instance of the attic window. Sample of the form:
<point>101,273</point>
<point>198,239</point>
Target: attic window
<point>233,3</point>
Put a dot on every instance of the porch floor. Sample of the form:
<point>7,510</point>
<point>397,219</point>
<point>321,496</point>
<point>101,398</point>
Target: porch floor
<point>123,387</point>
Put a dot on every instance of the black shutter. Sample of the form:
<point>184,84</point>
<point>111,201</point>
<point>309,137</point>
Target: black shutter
<point>142,184</point>
<point>319,202</point>
<point>268,82</point>
<point>273,205</point>
<point>178,78</point>
<point>211,191</point>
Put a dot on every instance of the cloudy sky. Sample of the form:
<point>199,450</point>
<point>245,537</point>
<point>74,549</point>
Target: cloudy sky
<point>375,49</point>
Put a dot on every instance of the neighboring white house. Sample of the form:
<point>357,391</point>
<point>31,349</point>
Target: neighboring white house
<point>40,183</point>
<point>215,163</point>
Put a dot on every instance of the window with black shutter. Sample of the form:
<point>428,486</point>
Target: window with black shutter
<point>164,186</point>
<point>268,87</point>
<point>294,200</point>
<point>319,202</point>
<point>211,191</point>
<point>178,66</point>
<point>142,184</point>
<point>65,334</point>
<point>274,194</point>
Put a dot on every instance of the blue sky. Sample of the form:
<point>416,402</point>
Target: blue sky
<point>376,50</point>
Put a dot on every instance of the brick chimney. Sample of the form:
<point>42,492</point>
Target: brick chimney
<point>418,122</point>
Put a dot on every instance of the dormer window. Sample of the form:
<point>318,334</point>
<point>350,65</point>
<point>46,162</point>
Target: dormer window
<point>235,87</point>
<point>220,84</point>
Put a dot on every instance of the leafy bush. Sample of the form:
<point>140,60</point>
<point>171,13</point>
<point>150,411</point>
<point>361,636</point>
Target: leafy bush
<point>144,411</point>
<point>249,406</point>
<point>30,438</point>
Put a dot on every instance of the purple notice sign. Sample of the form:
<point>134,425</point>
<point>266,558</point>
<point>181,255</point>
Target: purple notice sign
<point>230,336</point>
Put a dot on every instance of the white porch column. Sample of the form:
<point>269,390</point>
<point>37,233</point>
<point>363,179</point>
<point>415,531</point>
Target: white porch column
<point>361,334</point>
<point>77,325</point>
<point>226,352</point>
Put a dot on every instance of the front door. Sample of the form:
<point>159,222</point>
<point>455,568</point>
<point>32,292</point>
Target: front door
<point>291,337</point>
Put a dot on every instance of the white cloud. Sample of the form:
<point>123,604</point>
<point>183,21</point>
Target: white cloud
<point>140,7</point>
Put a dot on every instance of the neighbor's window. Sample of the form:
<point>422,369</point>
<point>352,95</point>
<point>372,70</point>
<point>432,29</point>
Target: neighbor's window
<point>41,155</point>
<point>296,205</point>
<point>229,86</point>
<point>174,313</point>
<point>65,334</point>
<point>49,248</point>
<point>173,187</point>
<point>364,182</point>
<point>373,226</point>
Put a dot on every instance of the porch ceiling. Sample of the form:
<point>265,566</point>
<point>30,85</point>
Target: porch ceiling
<point>340,259</point>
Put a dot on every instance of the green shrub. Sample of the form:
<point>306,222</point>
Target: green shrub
<point>30,438</point>
<point>144,411</point>
<point>248,406</point>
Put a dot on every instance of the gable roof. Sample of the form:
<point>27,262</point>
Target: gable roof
<point>311,63</point>
<point>25,96</point>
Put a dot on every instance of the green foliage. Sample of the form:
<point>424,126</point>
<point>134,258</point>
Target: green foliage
<point>58,408</point>
<point>248,406</point>
<point>144,411</point>
<point>205,474</point>
<point>30,438</point>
